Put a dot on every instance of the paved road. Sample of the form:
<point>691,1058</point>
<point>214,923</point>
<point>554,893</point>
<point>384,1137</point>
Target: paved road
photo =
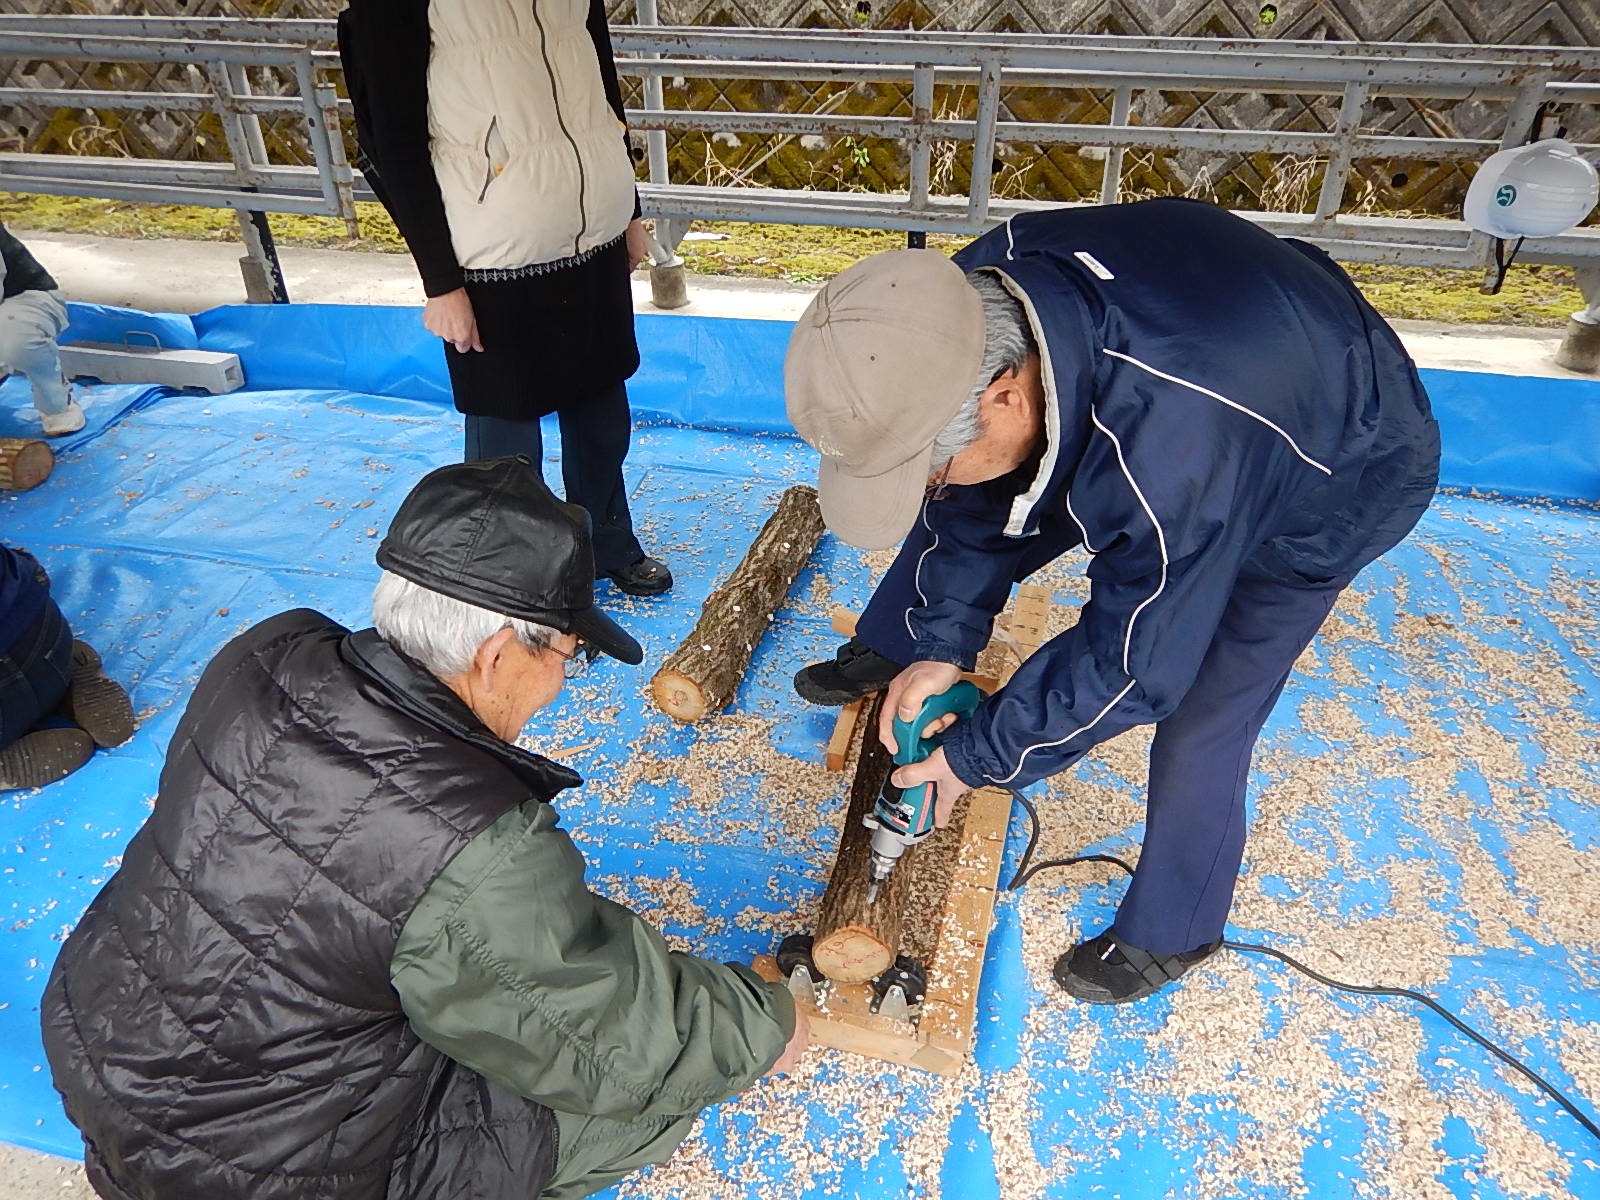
<point>184,276</point>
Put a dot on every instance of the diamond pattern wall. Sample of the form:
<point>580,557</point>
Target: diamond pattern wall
<point>1023,169</point>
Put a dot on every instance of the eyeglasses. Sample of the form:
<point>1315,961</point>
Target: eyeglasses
<point>576,663</point>
<point>940,486</point>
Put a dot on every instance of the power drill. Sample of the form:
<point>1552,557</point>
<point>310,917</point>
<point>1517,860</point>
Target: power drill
<point>903,817</point>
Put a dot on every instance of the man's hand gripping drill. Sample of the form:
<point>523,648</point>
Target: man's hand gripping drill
<point>904,816</point>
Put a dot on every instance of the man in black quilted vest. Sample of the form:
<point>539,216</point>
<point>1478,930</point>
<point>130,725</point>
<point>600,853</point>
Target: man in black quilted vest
<point>351,954</point>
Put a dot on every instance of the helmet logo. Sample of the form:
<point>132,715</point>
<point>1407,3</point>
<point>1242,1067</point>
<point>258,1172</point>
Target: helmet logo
<point>1506,196</point>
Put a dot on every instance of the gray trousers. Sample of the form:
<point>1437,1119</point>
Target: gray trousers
<point>30,323</point>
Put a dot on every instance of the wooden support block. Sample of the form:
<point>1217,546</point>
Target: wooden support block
<point>845,1021</point>
<point>843,622</point>
<point>1029,615</point>
<point>844,729</point>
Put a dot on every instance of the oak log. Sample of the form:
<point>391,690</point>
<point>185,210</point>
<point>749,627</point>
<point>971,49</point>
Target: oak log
<point>24,463</point>
<point>856,941</point>
<point>702,675</point>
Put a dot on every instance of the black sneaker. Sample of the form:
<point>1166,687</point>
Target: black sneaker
<point>856,671</point>
<point>647,577</point>
<point>1106,971</point>
<point>43,756</point>
<point>96,704</point>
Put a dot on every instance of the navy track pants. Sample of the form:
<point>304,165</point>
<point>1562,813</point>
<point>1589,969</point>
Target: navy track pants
<point>595,434</point>
<point>1200,759</point>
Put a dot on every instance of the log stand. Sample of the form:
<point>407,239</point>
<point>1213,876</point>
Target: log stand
<point>949,881</point>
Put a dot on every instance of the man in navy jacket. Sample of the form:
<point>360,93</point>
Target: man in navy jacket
<point>1216,416</point>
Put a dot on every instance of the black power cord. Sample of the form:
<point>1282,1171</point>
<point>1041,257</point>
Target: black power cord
<point>1027,869</point>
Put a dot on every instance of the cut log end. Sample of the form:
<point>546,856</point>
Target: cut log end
<point>25,463</point>
<point>679,696</point>
<point>852,954</point>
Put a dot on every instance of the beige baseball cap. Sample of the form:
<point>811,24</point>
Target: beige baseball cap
<point>878,364</point>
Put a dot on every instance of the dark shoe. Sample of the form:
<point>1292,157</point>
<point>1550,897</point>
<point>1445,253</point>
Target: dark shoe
<point>856,671</point>
<point>43,756</point>
<point>1106,971</point>
<point>647,577</point>
<point>95,703</point>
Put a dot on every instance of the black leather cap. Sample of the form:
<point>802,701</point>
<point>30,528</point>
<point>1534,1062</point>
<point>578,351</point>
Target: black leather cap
<point>493,534</point>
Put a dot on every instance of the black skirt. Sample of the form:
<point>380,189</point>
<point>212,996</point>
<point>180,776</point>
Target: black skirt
<point>553,335</point>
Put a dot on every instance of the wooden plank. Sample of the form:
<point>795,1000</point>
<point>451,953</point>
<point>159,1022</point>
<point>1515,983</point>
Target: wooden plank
<point>1029,615</point>
<point>843,622</point>
<point>844,729</point>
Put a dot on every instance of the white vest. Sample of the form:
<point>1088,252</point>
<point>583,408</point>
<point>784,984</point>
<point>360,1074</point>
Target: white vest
<point>529,155</point>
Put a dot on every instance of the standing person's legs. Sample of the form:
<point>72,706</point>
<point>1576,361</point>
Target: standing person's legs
<point>30,322</point>
<point>1200,763</point>
<point>596,432</point>
<point>594,1152</point>
<point>497,437</point>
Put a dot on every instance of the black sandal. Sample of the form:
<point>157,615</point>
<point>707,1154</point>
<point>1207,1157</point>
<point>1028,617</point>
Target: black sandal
<point>647,577</point>
<point>1103,970</point>
<point>95,703</point>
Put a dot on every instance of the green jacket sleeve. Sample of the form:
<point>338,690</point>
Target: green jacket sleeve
<point>513,967</point>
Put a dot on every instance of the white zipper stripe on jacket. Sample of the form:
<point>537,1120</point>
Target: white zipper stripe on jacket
<point>1083,530</point>
<point>1022,507</point>
<point>1112,703</point>
<point>1205,391</point>
<point>916,579</point>
<point>555,100</point>
<point>1127,641</point>
<point>1161,540</point>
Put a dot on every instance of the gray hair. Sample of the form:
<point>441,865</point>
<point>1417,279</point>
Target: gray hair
<point>440,632</point>
<point>1007,342</point>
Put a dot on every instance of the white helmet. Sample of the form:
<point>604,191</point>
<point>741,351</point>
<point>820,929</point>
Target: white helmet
<point>1537,190</point>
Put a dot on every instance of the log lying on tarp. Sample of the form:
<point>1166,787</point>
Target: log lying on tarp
<point>702,675</point>
<point>24,463</point>
<point>856,941</point>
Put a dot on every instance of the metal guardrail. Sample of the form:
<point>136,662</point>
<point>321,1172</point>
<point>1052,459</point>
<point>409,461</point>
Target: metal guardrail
<point>1526,80</point>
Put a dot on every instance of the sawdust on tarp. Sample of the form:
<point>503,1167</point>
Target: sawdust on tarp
<point>1462,671</point>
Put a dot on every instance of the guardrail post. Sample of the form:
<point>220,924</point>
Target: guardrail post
<point>1337,173</point>
<point>1522,119</point>
<point>921,148</point>
<point>1111,180</point>
<point>983,141</point>
<point>1580,347</point>
<point>262,272</point>
<point>669,282</point>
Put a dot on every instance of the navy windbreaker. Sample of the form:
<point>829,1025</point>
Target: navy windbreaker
<point>1219,403</point>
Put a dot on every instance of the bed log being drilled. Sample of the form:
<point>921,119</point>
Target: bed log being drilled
<point>856,940</point>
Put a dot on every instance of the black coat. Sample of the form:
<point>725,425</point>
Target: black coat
<point>553,334</point>
<point>221,1022</point>
<point>23,272</point>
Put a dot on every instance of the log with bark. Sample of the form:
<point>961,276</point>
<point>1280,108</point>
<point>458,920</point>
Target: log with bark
<point>856,941</point>
<point>24,463</point>
<point>702,675</point>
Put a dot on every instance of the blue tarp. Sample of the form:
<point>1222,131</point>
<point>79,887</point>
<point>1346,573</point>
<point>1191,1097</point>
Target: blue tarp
<point>1456,859</point>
